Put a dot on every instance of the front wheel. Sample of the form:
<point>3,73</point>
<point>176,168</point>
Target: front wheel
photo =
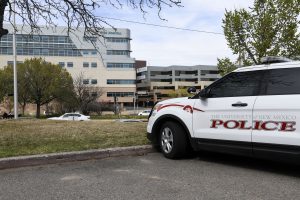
<point>173,140</point>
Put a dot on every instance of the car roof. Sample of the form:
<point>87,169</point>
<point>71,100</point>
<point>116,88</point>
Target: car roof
<point>269,66</point>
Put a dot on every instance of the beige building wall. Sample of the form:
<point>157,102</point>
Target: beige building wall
<point>101,73</point>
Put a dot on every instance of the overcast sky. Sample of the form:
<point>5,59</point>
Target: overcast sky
<point>163,47</point>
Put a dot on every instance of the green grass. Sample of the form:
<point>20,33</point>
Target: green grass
<point>27,137</point>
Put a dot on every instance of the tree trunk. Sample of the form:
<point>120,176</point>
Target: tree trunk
<point>38,110</point>
<point>23,109</point>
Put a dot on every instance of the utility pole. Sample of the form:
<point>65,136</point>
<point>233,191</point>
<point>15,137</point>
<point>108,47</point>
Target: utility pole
<point>15,64</point>
<point>134,105</point>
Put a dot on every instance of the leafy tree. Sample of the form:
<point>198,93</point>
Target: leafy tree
<point>269,28</point>
<point>23,87</point>
<point>6,82</point>
<point>74,13</point>
<point>39,82</point>
<point>225,66</point>
<point>181,92</point>
<point>46,81</point>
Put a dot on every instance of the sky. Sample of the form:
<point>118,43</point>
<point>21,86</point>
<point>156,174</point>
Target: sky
<point>164,47</point>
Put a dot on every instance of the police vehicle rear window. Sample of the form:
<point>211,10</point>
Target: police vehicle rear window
<point>283,81</point>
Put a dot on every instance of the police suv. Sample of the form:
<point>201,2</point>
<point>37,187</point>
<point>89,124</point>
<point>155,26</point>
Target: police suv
<point>253,111</point>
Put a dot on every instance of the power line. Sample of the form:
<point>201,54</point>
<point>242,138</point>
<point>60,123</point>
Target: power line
<point>163,26</point>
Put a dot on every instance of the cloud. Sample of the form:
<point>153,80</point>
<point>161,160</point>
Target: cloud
<point>162,46</point>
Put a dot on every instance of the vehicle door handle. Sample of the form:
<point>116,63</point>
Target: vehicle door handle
<point>239,104</point>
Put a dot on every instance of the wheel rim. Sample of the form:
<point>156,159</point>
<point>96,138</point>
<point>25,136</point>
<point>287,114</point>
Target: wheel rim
<point>167,140</point>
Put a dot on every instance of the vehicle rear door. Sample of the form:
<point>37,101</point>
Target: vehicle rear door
<point>222,120</point>
<point>276,115</point>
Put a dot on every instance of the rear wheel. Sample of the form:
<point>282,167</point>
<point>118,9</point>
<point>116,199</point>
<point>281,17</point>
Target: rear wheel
<point>173,140</point>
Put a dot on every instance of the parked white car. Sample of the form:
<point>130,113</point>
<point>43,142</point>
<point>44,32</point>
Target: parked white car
<point>145,113</point>
<point>71,117</point>
<point>253,111</point>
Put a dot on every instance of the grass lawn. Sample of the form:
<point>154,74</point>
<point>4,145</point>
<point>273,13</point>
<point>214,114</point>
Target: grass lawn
<point>27,137</point>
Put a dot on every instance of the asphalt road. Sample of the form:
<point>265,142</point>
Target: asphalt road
<point>205,176</point>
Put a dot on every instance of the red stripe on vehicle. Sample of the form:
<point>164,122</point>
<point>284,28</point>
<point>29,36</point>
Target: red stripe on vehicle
<point>198,109</point>
<point>169,105</point>
<point>188,108</point>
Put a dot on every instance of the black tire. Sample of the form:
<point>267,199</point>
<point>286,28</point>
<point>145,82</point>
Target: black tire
<point>179,141</point>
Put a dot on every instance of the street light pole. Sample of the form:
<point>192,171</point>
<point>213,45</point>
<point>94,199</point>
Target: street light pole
<point>15,65</point>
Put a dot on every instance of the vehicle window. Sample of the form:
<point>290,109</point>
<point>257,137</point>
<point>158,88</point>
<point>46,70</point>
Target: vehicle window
<point>77,115</point>
<point>237,84</point>
<point>283,81</point>
<point>66,115</point>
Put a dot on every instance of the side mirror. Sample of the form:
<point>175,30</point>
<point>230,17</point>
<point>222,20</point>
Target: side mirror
<point>204,93</point>
<point>191,90</point>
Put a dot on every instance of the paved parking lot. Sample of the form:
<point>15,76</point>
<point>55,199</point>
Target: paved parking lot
<point>205,176</point>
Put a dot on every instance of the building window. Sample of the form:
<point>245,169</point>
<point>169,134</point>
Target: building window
<point>118,52</point>
<point>70,64</point>
<point>186,79</point>
<point>93,64</point>
<point>118,40</point>
<point>90,39</point>
<point>120,81</point>
<point>10,62</point>
<point>61,39</point>
<point>85,52</point>
<point>120,65</point>
<point>204,72</point>
<point>120,94</point>
<point>94,81</point>
<point>86,81</point>
<point>45,38</point>
<point>62,64</point>
<point>85,64</point>
<point>46,45</point>
<point>94,94</point>
<point>94,52</point>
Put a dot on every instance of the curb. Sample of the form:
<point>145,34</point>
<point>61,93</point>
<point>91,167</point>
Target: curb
<point>55,158</point>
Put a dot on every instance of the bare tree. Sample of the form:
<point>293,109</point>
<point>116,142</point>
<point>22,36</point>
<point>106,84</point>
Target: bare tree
<point>85,94</point>
<point>75,13</point>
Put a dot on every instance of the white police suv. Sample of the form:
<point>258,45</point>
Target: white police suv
<point>252,111</point>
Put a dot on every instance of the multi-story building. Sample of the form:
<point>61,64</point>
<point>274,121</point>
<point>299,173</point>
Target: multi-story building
<point>155,83</point>
<point>105,62</point>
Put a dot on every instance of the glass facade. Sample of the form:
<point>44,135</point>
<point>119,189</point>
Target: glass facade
<point>44,45</point>
<point>90,39</point>
<point>118,40</point>
<point>118,52</point>
<point>120,94</point>
<point>120,65</point>
<point>120,81</point>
